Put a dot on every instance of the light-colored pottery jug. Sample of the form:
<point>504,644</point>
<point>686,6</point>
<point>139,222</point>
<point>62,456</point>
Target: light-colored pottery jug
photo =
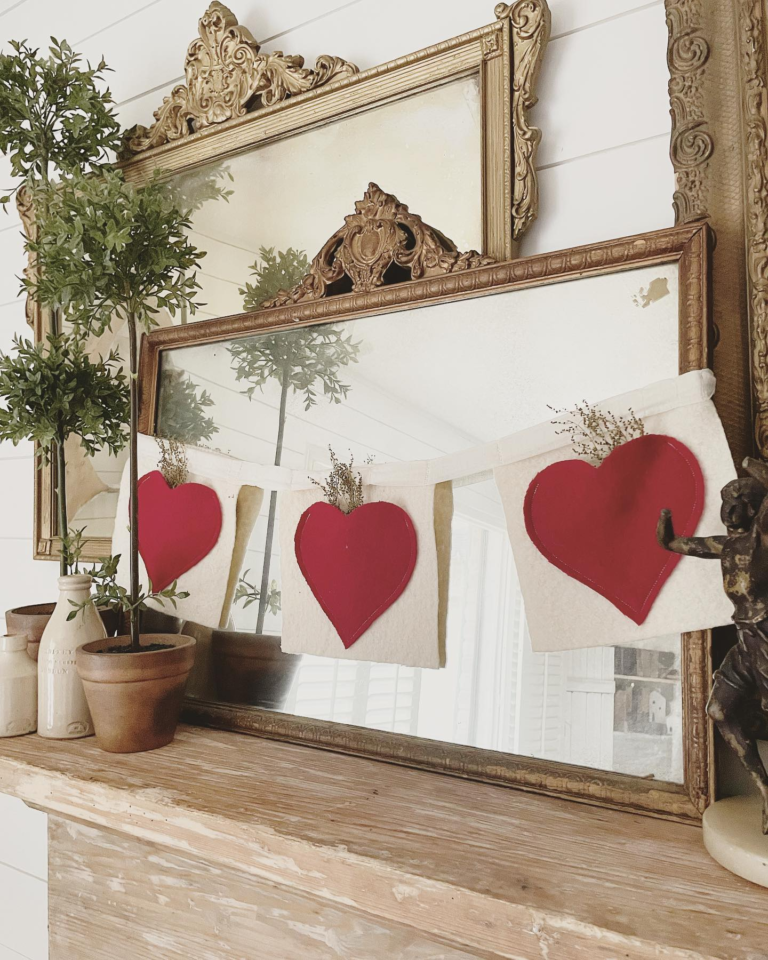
<point>18,688</point>
<point>62,710</point>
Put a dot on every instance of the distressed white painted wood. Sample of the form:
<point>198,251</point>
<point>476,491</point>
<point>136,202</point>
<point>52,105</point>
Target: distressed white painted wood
<point>488,870</point>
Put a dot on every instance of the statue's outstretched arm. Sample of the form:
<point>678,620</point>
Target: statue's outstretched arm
<point>707,548</point>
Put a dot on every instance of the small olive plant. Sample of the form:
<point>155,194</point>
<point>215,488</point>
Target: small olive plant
<point>595,433</point>
<point>109,252</point>
<point>306,361</point>
<point>56,118</point>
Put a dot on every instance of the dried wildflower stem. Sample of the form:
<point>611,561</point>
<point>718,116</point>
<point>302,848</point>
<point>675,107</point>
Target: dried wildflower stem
<point>595,433</point>
<point>343,489</point>
<point>173,462</point>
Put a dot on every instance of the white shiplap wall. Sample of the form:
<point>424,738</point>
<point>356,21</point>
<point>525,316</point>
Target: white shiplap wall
<point>604,172</point>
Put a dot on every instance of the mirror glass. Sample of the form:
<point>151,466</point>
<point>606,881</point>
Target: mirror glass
<point>293,194</point>
<point>417,385</point>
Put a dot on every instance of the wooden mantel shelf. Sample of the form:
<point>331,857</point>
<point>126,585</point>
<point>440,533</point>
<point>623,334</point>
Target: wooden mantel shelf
<point>485,871</point>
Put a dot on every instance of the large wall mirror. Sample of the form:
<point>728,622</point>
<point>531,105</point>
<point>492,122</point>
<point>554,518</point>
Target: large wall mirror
<point>265,153</point>
<point>436,366</point>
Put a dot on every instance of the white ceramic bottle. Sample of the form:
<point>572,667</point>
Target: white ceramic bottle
<point>62,710</point>
<point>18,688</point>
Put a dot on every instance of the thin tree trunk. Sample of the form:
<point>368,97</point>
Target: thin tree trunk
<point>134,477</point>
<point>61,465</point>
<point>264,594</point>
<point>61,499</point>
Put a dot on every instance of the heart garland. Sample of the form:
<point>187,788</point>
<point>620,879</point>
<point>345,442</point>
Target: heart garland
<point>356,564</point>
<point>178,527</point>
<point>598,524</point>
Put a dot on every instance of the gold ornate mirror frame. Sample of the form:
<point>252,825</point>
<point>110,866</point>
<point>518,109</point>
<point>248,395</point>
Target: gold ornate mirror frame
<point>237,99</point>
<point>436,272</point>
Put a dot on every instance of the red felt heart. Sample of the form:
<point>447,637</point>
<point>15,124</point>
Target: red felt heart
<point>178,527</point>
<point>356,564</point>
<point>598,524</point>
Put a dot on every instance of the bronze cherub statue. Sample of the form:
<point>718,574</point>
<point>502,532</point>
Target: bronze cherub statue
<point>739,700</point>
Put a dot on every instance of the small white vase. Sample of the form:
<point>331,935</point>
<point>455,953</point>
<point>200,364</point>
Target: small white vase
<point>18,688</point>
<point>62,710</point>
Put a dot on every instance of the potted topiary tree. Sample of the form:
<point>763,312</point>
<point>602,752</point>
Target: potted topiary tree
<point>49,393</point>
<point>56,117</point>
<point>109,252</point>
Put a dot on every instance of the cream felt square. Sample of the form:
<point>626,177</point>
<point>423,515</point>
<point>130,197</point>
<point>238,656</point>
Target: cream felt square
<point>211,582</point>
<point>564,614</point>
<point>411,632</point>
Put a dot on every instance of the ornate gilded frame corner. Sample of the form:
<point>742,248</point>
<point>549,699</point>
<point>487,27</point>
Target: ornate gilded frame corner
<point>752,25</point>
<point>226,77</point>
<point>351,277</point>
<point>236,98</point>
<point>719,150</point>
<point>530,26</point>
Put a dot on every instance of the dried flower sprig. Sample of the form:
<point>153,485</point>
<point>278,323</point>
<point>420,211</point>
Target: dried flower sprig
<point>343,489</point>
<point>595,433</point>
<point>173,462</point>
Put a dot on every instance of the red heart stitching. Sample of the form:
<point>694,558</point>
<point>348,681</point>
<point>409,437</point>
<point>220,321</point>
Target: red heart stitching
<point>356,564</point>
<point>598,524</point>
<point>178,527</point>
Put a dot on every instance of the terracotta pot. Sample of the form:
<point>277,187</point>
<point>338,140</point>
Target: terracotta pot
<point>252,669</point>
<point>135,698</point>
<point>33,620</point>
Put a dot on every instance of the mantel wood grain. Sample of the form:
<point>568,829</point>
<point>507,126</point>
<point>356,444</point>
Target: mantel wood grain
<point>498,872</point>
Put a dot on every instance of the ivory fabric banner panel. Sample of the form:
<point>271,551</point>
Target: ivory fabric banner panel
<point>563,613</point>
<point>211,582</point>
<point>410,632</point>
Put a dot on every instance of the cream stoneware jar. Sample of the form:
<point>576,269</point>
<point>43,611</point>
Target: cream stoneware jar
<point>62,710</point>
<point>18,688</point>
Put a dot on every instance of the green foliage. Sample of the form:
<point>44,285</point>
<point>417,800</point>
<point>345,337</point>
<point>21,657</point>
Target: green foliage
<point>72,546</point>
<point>55,114</point>
<point>303,360</point>
<point>106,248</point>
<point>189,193</point>
<point>50,391</point>
<point>108,593</point>
<point>181,414</point>
<point>275,272</point>
<point>249,593</point>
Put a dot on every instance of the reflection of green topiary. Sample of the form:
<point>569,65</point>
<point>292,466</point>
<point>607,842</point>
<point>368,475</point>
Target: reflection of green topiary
<point>192,191</point>
<point>52,391</point>
<point>274,273</point>
<point>182,410</point>
<point>306,360</point>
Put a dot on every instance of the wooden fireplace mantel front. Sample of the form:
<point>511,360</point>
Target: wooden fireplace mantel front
<point>227,846</point>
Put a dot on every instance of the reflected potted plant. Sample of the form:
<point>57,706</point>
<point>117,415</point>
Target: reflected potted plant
<point>56,117</point>
<point>251,668</point>
<point>109,252</point>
